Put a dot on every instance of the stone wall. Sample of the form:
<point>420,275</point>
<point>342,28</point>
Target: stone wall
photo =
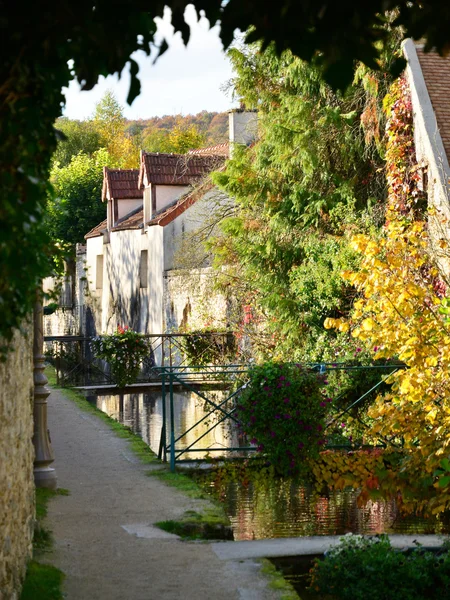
<point>16,465</point>
<point>191,302</point>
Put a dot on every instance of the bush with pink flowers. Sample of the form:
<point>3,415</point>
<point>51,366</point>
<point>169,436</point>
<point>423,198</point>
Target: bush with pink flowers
<point>282,410</point>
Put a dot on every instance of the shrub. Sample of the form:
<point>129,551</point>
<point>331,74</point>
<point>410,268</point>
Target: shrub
<point>282,410</point>
<point>370,569</point>
<point>124,351</point>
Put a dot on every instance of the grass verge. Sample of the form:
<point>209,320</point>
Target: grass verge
<point>137,445</point>
<point>42,538</point>
<point>210,523</point>
<point>277,581</point>
<point>42,581</point>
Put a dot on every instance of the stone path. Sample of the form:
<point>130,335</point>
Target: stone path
<point>105,541</point>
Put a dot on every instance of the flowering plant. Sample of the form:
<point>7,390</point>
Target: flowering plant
<point>282,410</point>
<point>123,350</point>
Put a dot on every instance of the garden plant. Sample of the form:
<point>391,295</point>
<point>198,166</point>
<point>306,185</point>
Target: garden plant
<point>282,410</point>
<point>362,568</point>
<point>124,351</point>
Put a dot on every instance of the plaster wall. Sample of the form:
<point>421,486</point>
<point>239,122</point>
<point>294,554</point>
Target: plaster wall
<point>16,464</point>
<point>94,300</point>
<point>122,300</point>
<point>166,194</point>
<point>182,237</point>
<point>124,207</point>
<point>155,245</point>
<point>122,295</point>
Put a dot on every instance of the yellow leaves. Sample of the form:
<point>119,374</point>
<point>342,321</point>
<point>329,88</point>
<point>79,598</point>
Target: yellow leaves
<point>338,324</point>
<point>368,324</point>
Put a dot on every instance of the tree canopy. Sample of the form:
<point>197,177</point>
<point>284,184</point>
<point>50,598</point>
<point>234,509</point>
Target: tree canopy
<point>312,178</point>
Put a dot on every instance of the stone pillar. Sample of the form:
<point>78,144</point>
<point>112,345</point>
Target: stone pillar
<point>44,474</point>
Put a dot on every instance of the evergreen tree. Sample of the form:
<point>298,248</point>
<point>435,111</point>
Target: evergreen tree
<point>313,177</point>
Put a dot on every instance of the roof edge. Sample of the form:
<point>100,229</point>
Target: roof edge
<point>423,111</point>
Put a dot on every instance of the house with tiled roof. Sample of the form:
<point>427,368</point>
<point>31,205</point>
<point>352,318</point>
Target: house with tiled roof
<point>134,257</point>
<point>428,76</point>
<point>121,192</point>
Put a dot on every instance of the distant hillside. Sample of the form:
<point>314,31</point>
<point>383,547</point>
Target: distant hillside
<point>212,125</point>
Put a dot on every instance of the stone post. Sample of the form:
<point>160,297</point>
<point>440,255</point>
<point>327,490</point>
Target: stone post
<point>44,474</point>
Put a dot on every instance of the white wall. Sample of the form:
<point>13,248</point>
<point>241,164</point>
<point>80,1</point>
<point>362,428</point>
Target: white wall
<point>121,300</point>
<point>166,194</point>
<point>183,227</point>
<point>124,207</point>
<point>430,152</point>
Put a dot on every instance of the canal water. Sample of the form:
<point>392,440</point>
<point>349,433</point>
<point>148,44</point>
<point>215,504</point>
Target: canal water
<point>258,504</point>
<point>143,413</point>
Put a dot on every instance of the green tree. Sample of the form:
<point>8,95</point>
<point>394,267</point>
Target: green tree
<point>76,205</point>
<point>313,177</point>
<point>80,136</point>
<point>122,146</point>
<point>181,138</point>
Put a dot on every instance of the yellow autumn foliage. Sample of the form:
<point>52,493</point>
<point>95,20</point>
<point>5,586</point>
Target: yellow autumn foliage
<point>401,313</point>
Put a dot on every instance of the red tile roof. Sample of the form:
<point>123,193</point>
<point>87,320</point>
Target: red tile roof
<point>99,229</point>
<point>217,150</point>
<point>121,184</point>
<point>436,73</point>
<point>176,169</point>
<point>133,220</point>
<point>179,206</point>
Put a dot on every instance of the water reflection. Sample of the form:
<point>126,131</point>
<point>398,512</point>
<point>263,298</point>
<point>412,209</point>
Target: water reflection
<point>143,413</point>
<point>260,506</point>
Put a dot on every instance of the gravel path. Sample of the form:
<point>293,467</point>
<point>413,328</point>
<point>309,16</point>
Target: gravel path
<point>105,541</point>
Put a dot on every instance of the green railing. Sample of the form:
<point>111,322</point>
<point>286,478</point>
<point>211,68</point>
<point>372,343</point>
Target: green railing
<point>195,379</point>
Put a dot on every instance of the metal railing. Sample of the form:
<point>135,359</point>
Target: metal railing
<point>76,364</point>
<point>171,446</point>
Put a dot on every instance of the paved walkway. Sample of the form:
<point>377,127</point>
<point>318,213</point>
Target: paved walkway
<point>105,541</point>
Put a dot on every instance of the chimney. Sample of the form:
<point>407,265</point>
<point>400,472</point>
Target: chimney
<point>243,127</point>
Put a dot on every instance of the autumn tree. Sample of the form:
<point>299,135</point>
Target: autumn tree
<point>402,312</point>
<point>179,139</point>
<point>110,123</point>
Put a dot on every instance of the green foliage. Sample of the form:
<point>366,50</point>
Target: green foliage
<point>76,206</point>
<point>42,582</point>
<point>282,409</point>
<point>179,139</point>
<point>80,136</point>
<point>370,569</point>
<point>124,351</point>
<point>47,50</point>
<point>314,176</point>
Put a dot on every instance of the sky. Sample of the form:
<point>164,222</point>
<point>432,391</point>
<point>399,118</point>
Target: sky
<point>185,80</point>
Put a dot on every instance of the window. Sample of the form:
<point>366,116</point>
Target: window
<point>143,269</point>
<point>99,272</point>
